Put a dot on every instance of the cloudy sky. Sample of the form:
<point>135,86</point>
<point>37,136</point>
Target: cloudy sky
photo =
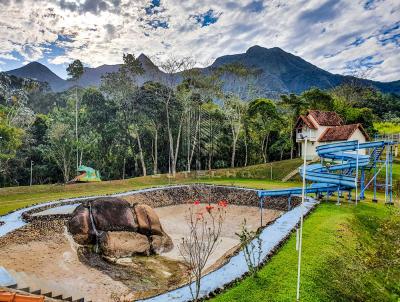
<point>339,36</point>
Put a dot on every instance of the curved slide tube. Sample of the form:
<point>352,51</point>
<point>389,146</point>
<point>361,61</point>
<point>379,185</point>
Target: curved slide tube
<point>345,159</point>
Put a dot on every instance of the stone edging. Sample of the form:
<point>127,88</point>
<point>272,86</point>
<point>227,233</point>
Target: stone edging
<point>28,217</point>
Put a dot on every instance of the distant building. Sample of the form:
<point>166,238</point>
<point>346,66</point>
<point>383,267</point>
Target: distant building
<point>324,127</point>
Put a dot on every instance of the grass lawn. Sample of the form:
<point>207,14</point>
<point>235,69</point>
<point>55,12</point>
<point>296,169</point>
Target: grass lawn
<point>387,127</point>
<point>331,265</point>
<point>258,176</point>
<point>18,197</point>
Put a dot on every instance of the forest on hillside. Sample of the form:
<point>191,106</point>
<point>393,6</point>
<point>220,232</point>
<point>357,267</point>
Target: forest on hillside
<point>162,126</point>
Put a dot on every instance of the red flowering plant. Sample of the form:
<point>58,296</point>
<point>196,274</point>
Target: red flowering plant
<point>204,231</point>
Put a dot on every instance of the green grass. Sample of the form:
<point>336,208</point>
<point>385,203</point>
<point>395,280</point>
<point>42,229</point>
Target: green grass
<point>18,197</point>
<point>272,171</point>
<point>387,127</point>
<point>329,233</point>
<point>256,177</point>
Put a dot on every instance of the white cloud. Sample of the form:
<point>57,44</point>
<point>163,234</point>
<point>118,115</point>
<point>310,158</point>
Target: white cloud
<point>320,32</point>
<point>8,56</point>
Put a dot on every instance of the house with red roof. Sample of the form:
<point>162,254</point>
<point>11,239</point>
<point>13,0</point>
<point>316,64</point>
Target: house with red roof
<point>324,127</point>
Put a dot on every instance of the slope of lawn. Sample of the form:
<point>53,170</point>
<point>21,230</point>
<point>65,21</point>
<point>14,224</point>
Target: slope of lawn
<point>350,253</point>
<point>256,177</point>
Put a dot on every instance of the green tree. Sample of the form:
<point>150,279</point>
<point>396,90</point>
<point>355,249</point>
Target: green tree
<point>75,71</point>
<point>318,99</point>
<point>61,142</point>
<point>264,118</point>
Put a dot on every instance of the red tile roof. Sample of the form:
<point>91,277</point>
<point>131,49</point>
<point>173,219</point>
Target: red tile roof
<point>326,118</point>
<point>306,121</point>
<point>341,133</point>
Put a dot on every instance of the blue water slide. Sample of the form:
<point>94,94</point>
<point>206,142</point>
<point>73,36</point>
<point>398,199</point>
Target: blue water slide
<point>337,175</point>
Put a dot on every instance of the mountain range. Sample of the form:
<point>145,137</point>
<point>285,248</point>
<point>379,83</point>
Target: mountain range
<point>278,72</point>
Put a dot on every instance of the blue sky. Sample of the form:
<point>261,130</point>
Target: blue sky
<point>359,37</point>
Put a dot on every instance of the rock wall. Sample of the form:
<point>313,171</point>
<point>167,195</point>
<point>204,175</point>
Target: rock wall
<point>208,193</point>
<point>173,195</point>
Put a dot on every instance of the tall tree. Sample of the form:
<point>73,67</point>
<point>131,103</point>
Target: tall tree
<point>235,111</point>
<point>172,67</point>
<point>61,143</point>
<point>132,68</point>
<point>264,115</point>
<point>75,71</point>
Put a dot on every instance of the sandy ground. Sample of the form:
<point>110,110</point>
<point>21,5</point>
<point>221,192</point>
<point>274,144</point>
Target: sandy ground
<point>53,259</point>
<point>48,255</point>
<point>174,221</point>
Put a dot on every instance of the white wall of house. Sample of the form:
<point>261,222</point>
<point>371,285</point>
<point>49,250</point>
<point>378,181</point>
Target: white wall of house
<point>320,129</point>
<point>311,149</point>
<point>358,135</point>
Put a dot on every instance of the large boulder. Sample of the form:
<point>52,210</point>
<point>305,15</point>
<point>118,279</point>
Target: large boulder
<point>124,244</point>
<point>113,214</point>
<point>80,226</point>
<point>123,229</point>
<point>161,244</point>
<point>148,221</point>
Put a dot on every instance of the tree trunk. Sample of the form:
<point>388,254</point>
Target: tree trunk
<point>195,142</point>
<point>266,146</point>
<point>233,153</point>
<point>80,159</point>
<point>76,128</point>
<point>142,162</point>
<point>175,155</point>
<point>262,150</point>
<point>170,139</point>
<point>245,148</point>
<point>155,161</point>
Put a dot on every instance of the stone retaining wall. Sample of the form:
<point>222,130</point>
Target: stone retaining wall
<point>174,195</point>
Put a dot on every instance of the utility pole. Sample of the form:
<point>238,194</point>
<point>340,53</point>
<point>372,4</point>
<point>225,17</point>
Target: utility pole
<point>123,171</point>
<point>356,178</point>
<point>300,232</point>
<point>76,128</point>
<point>30,182</point>
<point>271,171</point>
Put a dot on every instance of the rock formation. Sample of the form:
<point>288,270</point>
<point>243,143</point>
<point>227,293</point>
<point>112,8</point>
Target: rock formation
<point>119,228</point>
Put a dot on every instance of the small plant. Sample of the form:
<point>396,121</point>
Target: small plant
<point>251,244</point>
<point>205,226</point>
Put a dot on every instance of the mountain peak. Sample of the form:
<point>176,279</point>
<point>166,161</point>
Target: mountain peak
<point>259,49</point>
<point>278,72</point>
<point>39,72</point>
<point>36,65</point>
<point>143,58</point>
<point>146,62</point>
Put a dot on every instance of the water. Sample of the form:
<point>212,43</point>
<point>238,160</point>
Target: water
<point>65,209</point>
